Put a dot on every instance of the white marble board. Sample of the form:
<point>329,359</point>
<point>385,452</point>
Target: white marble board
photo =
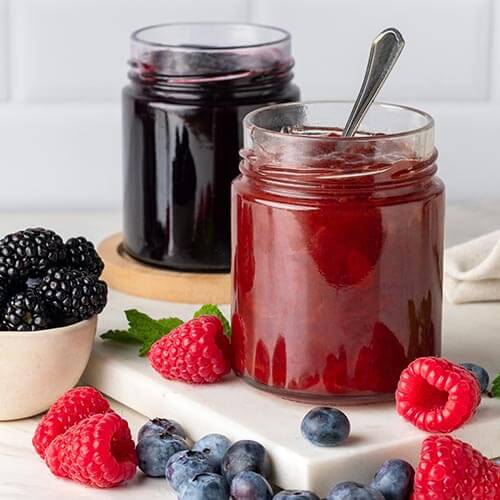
<point>471,333</point>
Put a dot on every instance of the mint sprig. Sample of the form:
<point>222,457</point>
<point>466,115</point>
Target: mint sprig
<point>145,331</point>
<point>124,336</point>
<point>495,388</point>
<point>213,310</point>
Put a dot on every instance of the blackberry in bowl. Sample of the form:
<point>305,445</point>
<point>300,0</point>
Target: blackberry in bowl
<point>46,283</point>
<point>30,252</point>
<point>50,296</point>
<point>73,293</point>
<point>26,311</point>
<point>82,255</point>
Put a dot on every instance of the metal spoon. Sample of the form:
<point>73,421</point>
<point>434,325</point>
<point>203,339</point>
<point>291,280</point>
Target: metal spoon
<point>385,51</point>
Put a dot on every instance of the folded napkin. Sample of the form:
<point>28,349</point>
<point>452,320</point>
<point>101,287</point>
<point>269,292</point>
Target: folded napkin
<point>472,270</point>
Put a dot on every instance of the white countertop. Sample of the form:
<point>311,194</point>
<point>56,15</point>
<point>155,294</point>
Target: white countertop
<point>23,474</point>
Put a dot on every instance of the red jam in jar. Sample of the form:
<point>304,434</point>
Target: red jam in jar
<point>337,251</point>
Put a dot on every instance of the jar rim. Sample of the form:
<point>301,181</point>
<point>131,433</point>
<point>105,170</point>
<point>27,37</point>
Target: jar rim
<point>195,52</point>
<point>284,36</point>
<point>249,122</point>
<point>303,142</point>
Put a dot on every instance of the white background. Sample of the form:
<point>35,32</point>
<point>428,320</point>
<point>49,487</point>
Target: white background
<point>63,63</point>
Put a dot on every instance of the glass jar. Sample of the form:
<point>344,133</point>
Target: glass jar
<point>337,251</point>
<point>190,87</point>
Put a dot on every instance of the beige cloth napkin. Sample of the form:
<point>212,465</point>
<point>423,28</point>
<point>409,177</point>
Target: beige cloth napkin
<point>472,270</point>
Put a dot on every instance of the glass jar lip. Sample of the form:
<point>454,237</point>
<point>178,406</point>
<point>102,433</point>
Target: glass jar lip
<point>284,36</point>
<point>249,122</point>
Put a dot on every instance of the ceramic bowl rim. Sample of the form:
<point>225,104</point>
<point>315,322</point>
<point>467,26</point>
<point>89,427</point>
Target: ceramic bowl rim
<point>60,330</point>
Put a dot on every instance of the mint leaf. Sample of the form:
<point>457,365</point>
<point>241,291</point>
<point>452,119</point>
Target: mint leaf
<point>120,336</point>
<point>170,323</point>
<point>495,388</point>
<point>213,310</point>
<point>146,346</point>
<point>167,324</point>
<point>142,330</point>
<point>142,324</point>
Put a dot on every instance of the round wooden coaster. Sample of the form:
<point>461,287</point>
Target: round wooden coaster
<point>125,274</point>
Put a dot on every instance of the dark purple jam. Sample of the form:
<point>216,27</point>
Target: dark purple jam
<point>182,133</point>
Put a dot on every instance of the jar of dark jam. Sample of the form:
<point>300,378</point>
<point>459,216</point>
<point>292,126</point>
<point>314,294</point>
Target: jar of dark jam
<point>190,87</point>
<point>338,250</point>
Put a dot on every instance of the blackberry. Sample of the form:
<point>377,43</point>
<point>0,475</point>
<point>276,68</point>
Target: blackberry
<point>72,293</point>
<point>4,293</point>
<point>33,282</point>
<point>30,253</point>
<point>82,255</point>
<point>26,311</point>
<point>4,289</point>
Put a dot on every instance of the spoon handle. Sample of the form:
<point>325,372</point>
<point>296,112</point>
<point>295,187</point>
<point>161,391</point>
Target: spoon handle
<point>384,53</point>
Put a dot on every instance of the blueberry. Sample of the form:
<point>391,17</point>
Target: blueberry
<point>353,491</point>
<point>205,486</point>
<point>480,373</point>
<point>153,453</point>
<point>324,426</point>
<point>394,480</point>
<point>157,426</point>
<point>248,485</point>
<point>245,456</point>
<point>214,446</point>
<point>295,495</point>
<point>185,465</point>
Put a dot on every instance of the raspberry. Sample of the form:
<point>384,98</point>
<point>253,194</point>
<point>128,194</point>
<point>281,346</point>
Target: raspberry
<point>451,469</point>
<point>69,409</point>
<point>97,451</point>
<point>436,395</point>
<point>196,352</point>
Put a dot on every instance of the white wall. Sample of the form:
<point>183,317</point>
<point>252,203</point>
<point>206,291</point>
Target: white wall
<point>63,63</point>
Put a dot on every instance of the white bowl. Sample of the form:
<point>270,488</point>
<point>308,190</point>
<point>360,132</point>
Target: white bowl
<point>36,368</point>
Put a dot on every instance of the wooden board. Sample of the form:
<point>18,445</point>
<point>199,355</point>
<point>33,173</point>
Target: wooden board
<point>128,275</point>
